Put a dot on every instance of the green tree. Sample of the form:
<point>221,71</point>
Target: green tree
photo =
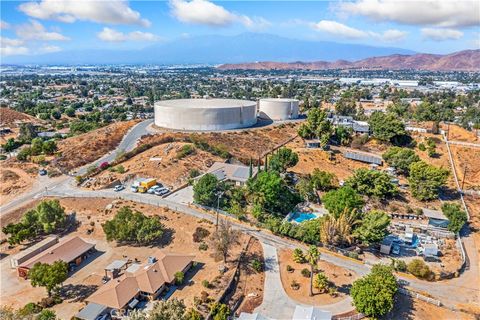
<point>298,255</point>
<point>456,216</point>
<point>219,311</point>
<point>426,180</point>
<point>179,277</point>
<point>284,158</point>
<point>269,192</point>
<point>373,227</point>
<point>129,226</point>
<point>70,112</point>
<point>386,127</point>
<point>400,158</point>
<point>37,146</point>
<point>373,295</point>
<point>344,198</point>
<point>343,135</point>
<point>50,276</point>
<point>27,132</point>
<point>323,180</point>
<point>10,145</point>
<point>205,190</point>
<point>321,282</point>
<point>312,257</point>
<point>372,183</point>
<point>419,269</point>
<point>49,147</point>
<point>306,190</point>
<point>46,314</point>
<point>50,215</point>
<point>316,126</point>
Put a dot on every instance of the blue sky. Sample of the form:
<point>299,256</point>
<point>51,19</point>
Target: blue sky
<point>437,26</point>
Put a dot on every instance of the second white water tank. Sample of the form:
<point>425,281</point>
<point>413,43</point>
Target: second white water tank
<point>278,109</point>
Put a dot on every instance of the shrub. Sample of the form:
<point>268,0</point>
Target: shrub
<point>321,282</point>
<point>120,169</point>
<point>290,268</point>
<point>185,151</point>
<point>257,265</point>
<point>298,256</point>
<point>333,291</point>
<point>400,265</point>
<point>421,147</point>
<point>29,309</point>
<point>206,284</point>
<point>294,285</point>
<point>305,272</point>
<point>179,277</point>
<point>200,234</point>
<point>419,269</point>
<point>203,246</point>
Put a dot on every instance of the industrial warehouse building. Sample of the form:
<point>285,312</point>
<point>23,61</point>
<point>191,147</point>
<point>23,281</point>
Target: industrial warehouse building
<point>278,109</point>
<point>205,114</point>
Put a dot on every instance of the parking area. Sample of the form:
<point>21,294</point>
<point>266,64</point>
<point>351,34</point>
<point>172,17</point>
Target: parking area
<point>182,196</point>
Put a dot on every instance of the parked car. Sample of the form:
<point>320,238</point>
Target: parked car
<point>161,191</point>
<point>119,187</point>
<point>153,189</point>
<point>42,172</point>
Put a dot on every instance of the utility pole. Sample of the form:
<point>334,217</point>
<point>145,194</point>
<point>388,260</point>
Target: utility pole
<point>219,194</point>
<point>463,180</point>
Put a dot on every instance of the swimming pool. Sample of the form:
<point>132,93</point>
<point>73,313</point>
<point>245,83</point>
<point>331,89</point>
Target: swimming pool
<point>300,217</point>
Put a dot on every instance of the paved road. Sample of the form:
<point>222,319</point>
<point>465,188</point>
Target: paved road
<point>465,144</point>
<point>128,143</point>
<point>276,303</point>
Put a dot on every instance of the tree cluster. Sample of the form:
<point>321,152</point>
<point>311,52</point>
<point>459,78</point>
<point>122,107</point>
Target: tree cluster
<point>46,218</point>
<point>372,183</point>
<point>134,227</point>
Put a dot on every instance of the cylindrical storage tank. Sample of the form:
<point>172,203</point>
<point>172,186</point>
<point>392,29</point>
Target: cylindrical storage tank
<point>205,114</point>
<point>278,109</point>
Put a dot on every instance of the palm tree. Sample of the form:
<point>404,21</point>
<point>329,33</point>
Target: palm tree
<point>312,257</point>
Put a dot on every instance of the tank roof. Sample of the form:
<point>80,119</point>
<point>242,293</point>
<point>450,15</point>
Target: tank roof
<point>279,99</point>
<point>205,103</point>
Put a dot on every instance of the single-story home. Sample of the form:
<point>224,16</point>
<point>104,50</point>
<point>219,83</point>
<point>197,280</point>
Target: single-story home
<point>232,172</point>
<point>141,281</point>
<point>72,251</point>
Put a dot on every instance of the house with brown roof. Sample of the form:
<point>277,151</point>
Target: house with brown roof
<point>72,251</point>
<point>141,281</point>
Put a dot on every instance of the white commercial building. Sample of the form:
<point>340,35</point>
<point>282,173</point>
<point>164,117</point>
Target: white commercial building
<point>205,114</point>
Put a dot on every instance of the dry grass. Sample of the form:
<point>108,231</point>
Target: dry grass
<point>88,147</point>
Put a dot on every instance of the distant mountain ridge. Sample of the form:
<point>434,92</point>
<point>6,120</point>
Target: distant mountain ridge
<point>215,49</point>
<point>467,60</point>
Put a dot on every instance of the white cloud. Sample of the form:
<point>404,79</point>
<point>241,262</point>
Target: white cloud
<point>441,13</point>
<point>438,34</point>
<point>4,25</point>
<point>36,31</point>
<point>111,11</point>
<point>338,29</point>
<point>341,30</point>
<point>390,35</point>
<point>207,13</point>
<point>112,35</point>
<point>13,51</point>
<point>10,42</point>
<point>49,49</point>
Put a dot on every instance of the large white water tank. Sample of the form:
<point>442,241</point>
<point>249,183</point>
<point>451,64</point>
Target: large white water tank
<point>205,114</point>
<point>278,109</point>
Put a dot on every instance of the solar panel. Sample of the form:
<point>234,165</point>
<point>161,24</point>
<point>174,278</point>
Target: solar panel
<point>363,157</point>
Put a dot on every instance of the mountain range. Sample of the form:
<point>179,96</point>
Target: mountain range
<point>214,49</point>
<point>467,60</point>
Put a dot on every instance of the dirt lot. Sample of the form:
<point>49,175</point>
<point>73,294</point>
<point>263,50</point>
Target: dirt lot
<point>86,148</point>
<point>340,277</point>
<point>473,204</point>
<point>251,282</point>
<point>161,162</point>
<point>15,178</point>
<point>309,159</point>
<point>407,308</point>
<point>242,145</point>
<point>468,158</point>
<point>86,279</point>
<point>458,133</point>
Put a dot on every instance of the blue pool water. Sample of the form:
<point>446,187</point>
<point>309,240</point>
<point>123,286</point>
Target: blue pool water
<point>299,217</point>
